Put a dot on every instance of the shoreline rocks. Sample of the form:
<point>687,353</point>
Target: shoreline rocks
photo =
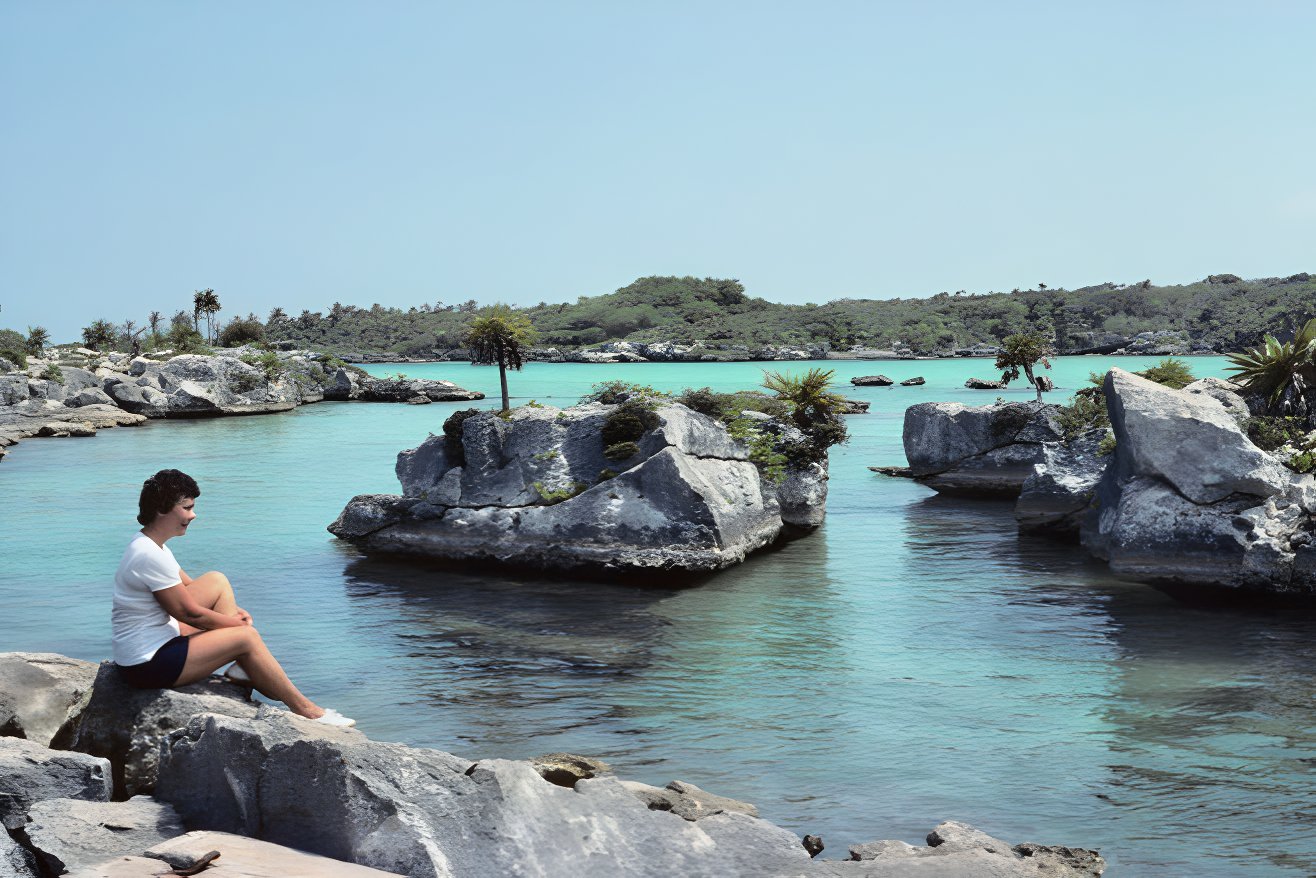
<point>540,488</point>
<point>248,784</point>
<point>124,391</point>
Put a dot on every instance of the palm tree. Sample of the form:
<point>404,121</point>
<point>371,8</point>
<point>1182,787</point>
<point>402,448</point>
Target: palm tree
<point>501,336</point>
<point>1025,350</point>
<point>37,339</point>
<point>1281,372</point>
<point>207,303</point>
<point>815,408</point>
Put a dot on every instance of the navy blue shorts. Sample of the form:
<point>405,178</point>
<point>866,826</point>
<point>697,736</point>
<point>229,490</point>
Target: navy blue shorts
<point>163,668</point>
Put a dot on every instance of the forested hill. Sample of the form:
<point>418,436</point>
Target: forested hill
<point>1219,313</point>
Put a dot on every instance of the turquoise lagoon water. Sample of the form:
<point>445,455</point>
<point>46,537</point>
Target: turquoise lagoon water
<point>913,661</point>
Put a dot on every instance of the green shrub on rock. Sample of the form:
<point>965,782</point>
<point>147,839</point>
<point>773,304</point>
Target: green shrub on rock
<point>621,451</point>
<point>628,422</point>
<point>551,496</point>
<point>1171,372</point>
<point>53,373</point>
<point>13,356</point>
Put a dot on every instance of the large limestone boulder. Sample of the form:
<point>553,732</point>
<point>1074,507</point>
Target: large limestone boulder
<point>31,773</point>
<point>127,725</point>
<point>537,489</point>
<point>406,389</point>
<point>42,693</point>
<point>425,813</point>
<point>1189,440</point>
<point>1189,501</point>
<point>977,450</point>
<point>68,835</point>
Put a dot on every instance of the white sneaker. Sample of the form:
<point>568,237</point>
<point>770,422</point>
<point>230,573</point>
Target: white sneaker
<point>235,674</point>
<point>334,718</point>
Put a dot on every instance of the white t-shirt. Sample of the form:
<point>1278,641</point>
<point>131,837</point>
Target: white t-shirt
<point>141,625</point>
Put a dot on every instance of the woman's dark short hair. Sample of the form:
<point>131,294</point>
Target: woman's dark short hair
<point>162,492</point>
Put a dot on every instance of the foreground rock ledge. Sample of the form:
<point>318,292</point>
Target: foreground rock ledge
<point>266,774</point>
<point>688,499</point>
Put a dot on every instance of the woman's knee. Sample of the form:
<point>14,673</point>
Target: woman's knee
<point>223,580</point>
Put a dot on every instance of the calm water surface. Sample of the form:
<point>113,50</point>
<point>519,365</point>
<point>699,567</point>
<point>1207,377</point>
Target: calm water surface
<point>913,661</point>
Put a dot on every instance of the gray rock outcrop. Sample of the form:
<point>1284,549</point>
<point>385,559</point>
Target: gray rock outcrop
<point>123,391</point>
<point>984,384</point>
<point>912,382</point>
<point>70,834</point>
<point>42,693</point>
<point>426,813</point>
<point>872,381</point>
<point>536,488</point>
<point>1055,497</point>
<point>31,773</point>
<point>127,725</point>
<point>1207,509</point>
<point>977,450</point>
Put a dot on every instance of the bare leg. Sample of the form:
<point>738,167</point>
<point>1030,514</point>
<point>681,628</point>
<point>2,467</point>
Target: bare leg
<point>213,591</point>
<point>209,650</point>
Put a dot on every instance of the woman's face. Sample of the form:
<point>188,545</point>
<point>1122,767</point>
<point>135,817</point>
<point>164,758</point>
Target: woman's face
<point>174,522</point>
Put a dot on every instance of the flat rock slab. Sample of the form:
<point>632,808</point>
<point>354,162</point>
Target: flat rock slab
<point>69,834</point>
<point>31,773</point>
<point>40,692</point>
<point>239,857</point>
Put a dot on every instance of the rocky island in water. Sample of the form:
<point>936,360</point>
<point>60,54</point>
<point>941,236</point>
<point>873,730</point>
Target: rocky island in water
<point>629,484</point>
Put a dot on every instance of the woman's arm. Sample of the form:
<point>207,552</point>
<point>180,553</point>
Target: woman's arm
<point>179,604</point>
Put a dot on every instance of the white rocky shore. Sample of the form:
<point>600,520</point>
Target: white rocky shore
<point>538,488</point>
<point>97,779</point>
<point>51,398</point>
<point>1185,499</point>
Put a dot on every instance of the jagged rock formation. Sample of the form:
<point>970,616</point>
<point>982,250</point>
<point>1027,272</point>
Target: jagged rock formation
<point>539,488</point>
<point>42,695</point>
<point>977,450</point>
<point>267,774</point>
<point>123,391</point>
<point>1188,499</point>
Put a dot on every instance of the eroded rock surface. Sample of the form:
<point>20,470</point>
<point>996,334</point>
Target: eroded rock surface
<point>536,488</point>
<point>1188,498</point>
<point>41,693</point>
<point>70,834</point>
<point>426,813</point>
<point>977,450</point>
<point>31,773</point>
<point>127,725</point>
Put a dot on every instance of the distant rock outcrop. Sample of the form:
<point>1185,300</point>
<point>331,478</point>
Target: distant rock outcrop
<point>541,488</point>
<point>115,390</point>
<point>872,381</point>
<point>984,384</point>
<point>977,450</point>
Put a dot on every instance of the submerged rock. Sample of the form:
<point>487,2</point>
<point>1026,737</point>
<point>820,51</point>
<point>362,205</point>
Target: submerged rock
<point>539,488</point>
<point>956,850</point>
<point>977,450</point>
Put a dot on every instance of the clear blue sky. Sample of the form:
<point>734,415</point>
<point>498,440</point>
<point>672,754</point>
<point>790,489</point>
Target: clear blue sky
<point>298,153</point>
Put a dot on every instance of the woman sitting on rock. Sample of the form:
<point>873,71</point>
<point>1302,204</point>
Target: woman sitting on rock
<point>171,629</point>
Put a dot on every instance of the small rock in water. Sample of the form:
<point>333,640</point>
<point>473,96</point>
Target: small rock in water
<point>564,769</point>
<point>872,381</point>
<point>980,384</point>
<point>912,382</point>
<point>813,844</point>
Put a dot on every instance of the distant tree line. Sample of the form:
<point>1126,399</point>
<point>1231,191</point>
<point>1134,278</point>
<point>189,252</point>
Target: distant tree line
<point>1222,312</point>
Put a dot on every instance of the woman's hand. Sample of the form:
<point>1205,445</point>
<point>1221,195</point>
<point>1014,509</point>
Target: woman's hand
<point>244,616</point>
